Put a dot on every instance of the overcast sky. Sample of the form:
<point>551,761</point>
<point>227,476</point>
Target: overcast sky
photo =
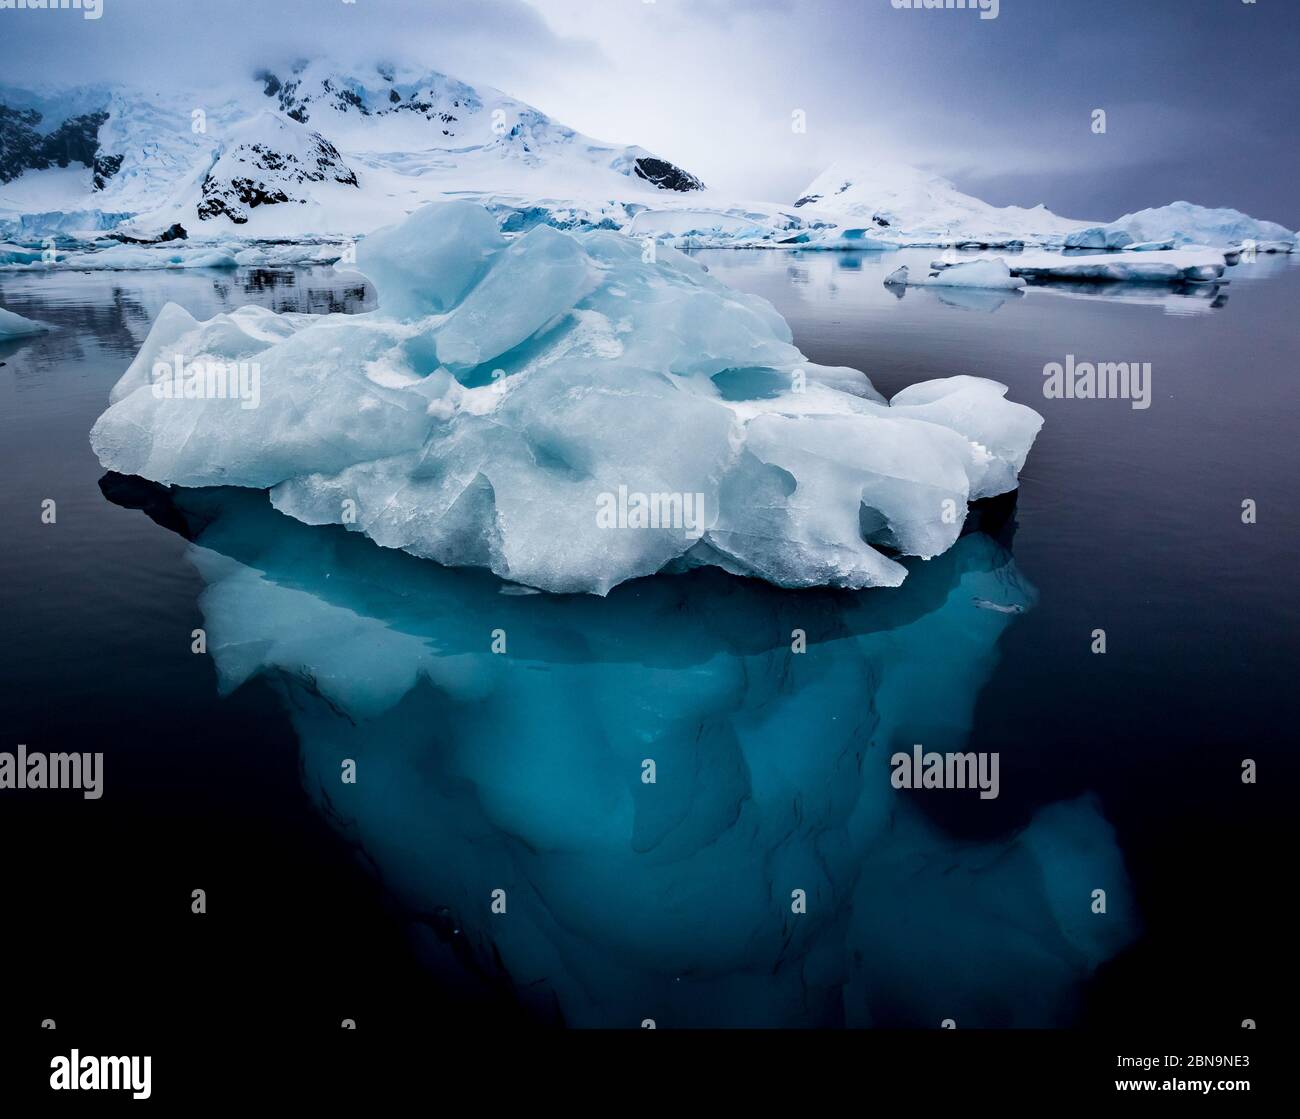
<point>1201,96</point>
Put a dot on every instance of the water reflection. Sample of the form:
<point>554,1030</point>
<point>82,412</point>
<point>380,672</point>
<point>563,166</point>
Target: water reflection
<point>112,311</point>
<point>501,742</point>
<point>815,274</point>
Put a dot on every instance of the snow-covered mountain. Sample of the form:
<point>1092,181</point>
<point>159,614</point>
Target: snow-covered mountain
<point>312,151</point>
<point>319,153</point>
<point>898,201</point>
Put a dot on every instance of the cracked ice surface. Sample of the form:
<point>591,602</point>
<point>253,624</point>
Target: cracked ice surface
<point>506,389</point>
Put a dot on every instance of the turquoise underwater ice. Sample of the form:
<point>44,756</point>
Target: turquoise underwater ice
<point>521,771</point>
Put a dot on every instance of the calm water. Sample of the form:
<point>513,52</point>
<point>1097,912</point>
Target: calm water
<point>366,903</point>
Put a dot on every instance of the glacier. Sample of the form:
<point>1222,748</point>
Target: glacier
<point>669,901</point>
<point>508,391</point>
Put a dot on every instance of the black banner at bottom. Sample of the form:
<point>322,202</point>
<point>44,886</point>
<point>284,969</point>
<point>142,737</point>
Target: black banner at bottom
<point>640,1066</point>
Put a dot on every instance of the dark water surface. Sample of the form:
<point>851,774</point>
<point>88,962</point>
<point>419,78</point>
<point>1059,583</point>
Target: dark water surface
<point>1127,520</point>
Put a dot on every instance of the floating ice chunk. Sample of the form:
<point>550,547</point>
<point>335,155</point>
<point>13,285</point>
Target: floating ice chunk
<point>15,326</point>
<point>992,274</point>
<point>1189,265</point>
<point>285,256</point>
<point>1181,224</point>
<point>571,414</point>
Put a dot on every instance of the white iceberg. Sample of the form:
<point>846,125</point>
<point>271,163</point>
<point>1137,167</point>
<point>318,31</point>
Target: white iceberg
<point>1189,265</point>
<point>571,414</point>
<point>15,326</point>
<point>1182,224</point>
<point>992,274</point>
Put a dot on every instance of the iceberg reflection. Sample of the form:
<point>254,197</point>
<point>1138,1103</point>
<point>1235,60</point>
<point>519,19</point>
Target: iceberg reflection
<point>522,771</point>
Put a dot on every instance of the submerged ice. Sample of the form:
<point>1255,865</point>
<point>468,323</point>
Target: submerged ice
<point>502,799</point>
<point>507,390</point>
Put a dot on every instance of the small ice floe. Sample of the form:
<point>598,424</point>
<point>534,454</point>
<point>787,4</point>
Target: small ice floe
<point>1179,266</point>
<point>1000,607</point>
<point>990,274</point>
<point>15,326</point>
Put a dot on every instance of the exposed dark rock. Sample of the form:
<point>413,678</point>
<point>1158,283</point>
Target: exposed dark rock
<point>23,148</point>
<point>105,167</point>
<point>270,175</point>
<point>174,232</point>
<point>76,140</point>
<point>666,176</point>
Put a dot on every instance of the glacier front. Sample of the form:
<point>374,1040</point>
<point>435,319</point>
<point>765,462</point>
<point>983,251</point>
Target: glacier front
<point>569,410</point>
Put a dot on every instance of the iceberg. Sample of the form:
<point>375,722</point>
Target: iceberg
<point>502,800</point>
<point>1182,224</point>
<point>570,411</point>
<point>992,274</point>
<point>15,326</point>
<point>1178,266</point>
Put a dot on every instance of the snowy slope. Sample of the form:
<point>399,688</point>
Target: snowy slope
<point>903,203</point>
<point>321,154</point>
<point>308,152</point>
